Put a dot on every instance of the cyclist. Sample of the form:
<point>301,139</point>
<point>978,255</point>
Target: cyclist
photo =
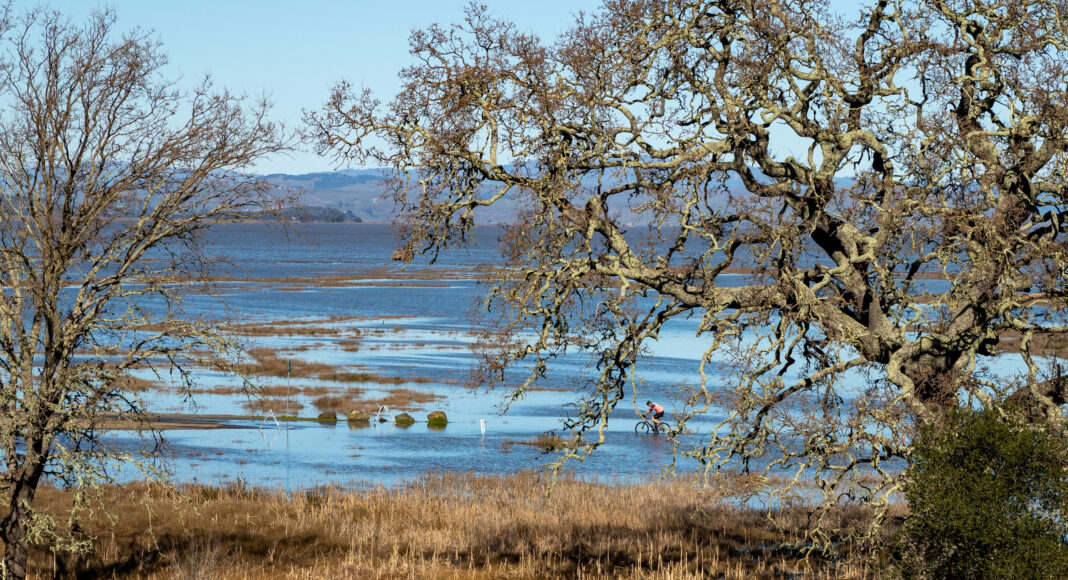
<point>656,410</point>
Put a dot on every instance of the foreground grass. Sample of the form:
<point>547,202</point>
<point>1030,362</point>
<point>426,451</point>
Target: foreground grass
<point>445,526</point>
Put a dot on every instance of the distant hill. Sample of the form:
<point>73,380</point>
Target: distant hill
<point>350,193</point>
<point>356,195</point>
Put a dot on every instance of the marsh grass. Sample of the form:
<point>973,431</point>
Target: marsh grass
<point>263,390</point>
<point>318,327</point>
<point>550,441</point>
<point>267,363</point>
<point>138,385</point>
<point>460,526</point>
<point>275,406</point>
<point>1046,344</point>
<point>280,390</point>
<point>220,390</point>
<point>401,398</point>
<point>365,377</point>
<point>334,403</point>
<point>341,403</point>
<point>343,399</point>
<point>349,345</point>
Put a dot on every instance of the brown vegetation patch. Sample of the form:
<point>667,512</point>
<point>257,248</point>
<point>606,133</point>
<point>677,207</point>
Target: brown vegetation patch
<point>349,345</point>
<point>371,276</point>
<point>406,284</point>
<point>341,403</point>
<point>137,385</point>
<point>276,406</point>
<point>401,398</point>
<point>359,377</point>
<point>302,347</point>
<point>280,390</point>
<point>268,363</point>
<point>1041,344</point>
<point>221,390</point>
<point>317,327</point>
<point>550,442</point>
<point>456,526</point>
<point>334,403</point>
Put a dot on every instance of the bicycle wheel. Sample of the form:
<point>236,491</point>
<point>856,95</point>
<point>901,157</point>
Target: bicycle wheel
<point>642,427</point>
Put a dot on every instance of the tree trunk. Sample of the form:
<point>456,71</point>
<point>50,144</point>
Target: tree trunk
<point>13,535</point>
<point>13,527</point>
<point>937,381</point>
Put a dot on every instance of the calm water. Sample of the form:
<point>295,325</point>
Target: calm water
<point>418,328</point>
<point>415,322</point>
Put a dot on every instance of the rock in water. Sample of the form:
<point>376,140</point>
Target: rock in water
<point>358,416</point>
<point>437,419</point>
<point>404,419</point>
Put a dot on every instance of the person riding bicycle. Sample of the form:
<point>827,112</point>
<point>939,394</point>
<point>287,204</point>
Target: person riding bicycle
<point>656,410</point>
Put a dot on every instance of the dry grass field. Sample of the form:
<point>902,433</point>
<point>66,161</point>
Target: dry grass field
<point>445,526</point>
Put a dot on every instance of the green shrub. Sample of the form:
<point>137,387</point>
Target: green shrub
<point>987,499</point>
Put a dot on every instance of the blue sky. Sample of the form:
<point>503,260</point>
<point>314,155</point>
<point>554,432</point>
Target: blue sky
<point>295,51</point>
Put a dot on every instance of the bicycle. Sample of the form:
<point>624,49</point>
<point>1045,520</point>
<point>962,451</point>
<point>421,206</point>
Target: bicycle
<point>648,426</point>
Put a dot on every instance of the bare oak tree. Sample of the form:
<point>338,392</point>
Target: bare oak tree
<point>913,235</point>
<point>108,175</point>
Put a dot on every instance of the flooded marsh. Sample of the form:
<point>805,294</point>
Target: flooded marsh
<point>361,336</point>
<point>366,334</point>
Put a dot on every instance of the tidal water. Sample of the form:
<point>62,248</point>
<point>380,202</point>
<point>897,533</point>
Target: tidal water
<point>414,322</point>
<point>415,325</point>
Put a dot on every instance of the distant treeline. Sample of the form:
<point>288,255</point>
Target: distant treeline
<point>312,213</point>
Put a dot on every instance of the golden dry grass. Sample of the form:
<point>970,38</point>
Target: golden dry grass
<point>534,389</point>
<point>276,406</point>
<point>267,363</point>
<point>364,377</point>
<point>317,327</point>
<point>349,345</point>
<point>279,390</point>
<point>401,398</point>
<point>457,526</point>
<point>221,390</point>
<point>137,384</point>
<point>351,399</point>
<point>341,403</point>
<point>364,277</point>
<point>548,442</point>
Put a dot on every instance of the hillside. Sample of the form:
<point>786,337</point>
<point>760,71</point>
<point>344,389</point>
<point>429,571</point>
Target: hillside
<point>360,192</point>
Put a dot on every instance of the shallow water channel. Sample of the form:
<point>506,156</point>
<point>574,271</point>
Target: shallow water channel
<point>336,300</point>
<point>329,287</point>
